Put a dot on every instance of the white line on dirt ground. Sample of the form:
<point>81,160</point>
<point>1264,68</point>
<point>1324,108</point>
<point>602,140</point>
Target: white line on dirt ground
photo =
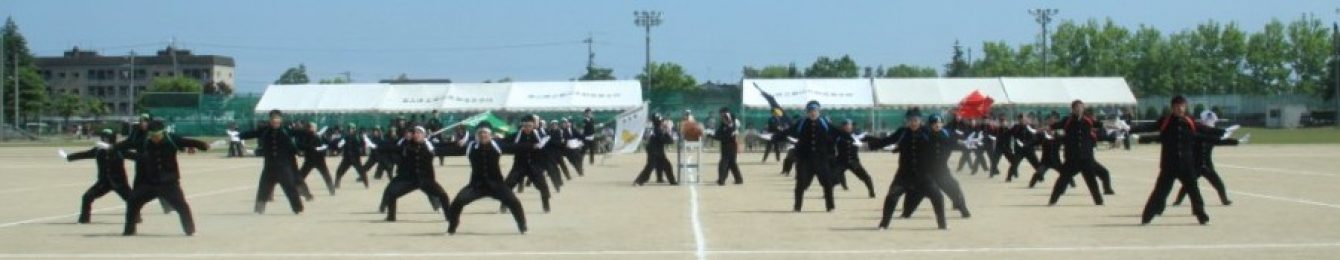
<point>968,250</point>
<point>698,238</point>
<point>34,220</point>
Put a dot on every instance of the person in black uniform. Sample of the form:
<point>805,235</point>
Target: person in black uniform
<point>554,150</point>
<point>277,147</point>
<point>656,158</point>
<point>1000,144</point>
<point>527,161</point>
<point>486,180</point>
<point>589,132</point>
<point>815,149</point>
<point>1079,139</point>
<point>849,158</point>
<point>730,147</point>
<point>573,155</point>
<point>981,130</point>
<point>111,173</point>
<point>413,157</point>
<point>314,157</point>
<point>378,153</point>
<point>157,169</point>
<point>915,158</point>
<point>777,127</point>
<point>1024,144</point>
<point>1178,134</point>
<point>351,155</point>
<point>1207,170</point>
<point>942,143</point>
<point>1051,152</point>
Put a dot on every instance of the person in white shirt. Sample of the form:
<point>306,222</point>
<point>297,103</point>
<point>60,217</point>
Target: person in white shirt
<point>1208,117</point>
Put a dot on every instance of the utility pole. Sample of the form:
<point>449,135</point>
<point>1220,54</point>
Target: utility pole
<point>348,76</point>
<point>134,90</point>
<point>590,52</point>
<point>647,19</point>
<point>2,86</point>
<point>1335,52</point>
<point>1043,16</point>
<point>172,51</point>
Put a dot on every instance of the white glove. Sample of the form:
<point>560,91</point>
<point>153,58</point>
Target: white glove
<point>368,141</point>
<point>322,131</point>
<point>793,140</point>
<point>62,153</point>
<point>590,138</point>
<point>1048,136</point>
<point>102,145</point>
<point>765,136</point>
<point>993,138</point>
<point>1031,130</point>
<point>956,131</point>
<point>1018,143</point>
<point>1229,131</point>
<point>858,137</point>
<point>1245,139</point>
<point>890,147</point>
<point>321,148</point>
<point>341,144</point>
<point>543,141</point>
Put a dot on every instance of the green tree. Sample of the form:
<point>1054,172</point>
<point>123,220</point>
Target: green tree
<point>335,80</point>
<point>175,84</point>
<point>32,88</point>
<point>1311,47</point>
<point>669,76</point>
<point>772,72</point>
<point>958,65</point>
<point>909,71</point>
<point>67,105</point>
<point>95,108</point>
<point>1267,57</point>
<point>825,67</point>
<point>597,73</point>
<point>293,76</point>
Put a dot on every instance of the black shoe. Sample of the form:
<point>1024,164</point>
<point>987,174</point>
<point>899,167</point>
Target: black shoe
<point>390,219</point>
<point>739,182</point>
<point>965,214</point>
<point>1228,203</point>
<point>1109,192</point>
<point>84,220</point>
<point>1203,219</point>
<point>721,183</point>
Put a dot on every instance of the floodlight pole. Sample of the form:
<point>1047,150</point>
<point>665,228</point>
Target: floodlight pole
<point>646,20</point>
<point>1043,16</point>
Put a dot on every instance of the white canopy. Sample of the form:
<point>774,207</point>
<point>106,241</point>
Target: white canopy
<point>467,97</point>
<point>1061,91</point>
<point>575,95</point>
<point>794,93</point>
<point>935,92</point>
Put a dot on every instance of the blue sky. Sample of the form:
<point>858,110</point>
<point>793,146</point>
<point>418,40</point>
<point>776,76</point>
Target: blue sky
<point>541,40</point>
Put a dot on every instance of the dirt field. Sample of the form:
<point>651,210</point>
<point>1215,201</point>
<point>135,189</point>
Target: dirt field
<point>1285,208</point>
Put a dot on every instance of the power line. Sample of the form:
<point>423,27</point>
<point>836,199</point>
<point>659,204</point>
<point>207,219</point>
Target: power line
<point>390,50</point>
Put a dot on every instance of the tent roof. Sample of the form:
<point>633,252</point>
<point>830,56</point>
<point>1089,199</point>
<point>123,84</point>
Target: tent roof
<point>1061,91</point>
<point>453,97</point>
<point>935,92</point>
<point>794,93</point>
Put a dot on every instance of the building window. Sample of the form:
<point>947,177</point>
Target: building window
<point>125,90</point>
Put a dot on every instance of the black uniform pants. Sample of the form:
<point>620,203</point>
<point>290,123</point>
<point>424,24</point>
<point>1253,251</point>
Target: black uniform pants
<point>104,185</point>
<point>949,185</point>
<point>656,161</point>
<point>808,169</point>
<point>728,165</point>
<point>347,161</point>
<point>536,176</point>
<point>401,186</point>
<point>923,187</point>
<point>1084,166</point>
<point>496,191</point>
<point>857,169</point>
<point>169,193</point>
<point>1018,158</point>
<point>315,162</point>
<point>773,146</point>
<point>574,157</point>
<point>234,149</point>
<point>282,172</point>
<point>1163,186</point>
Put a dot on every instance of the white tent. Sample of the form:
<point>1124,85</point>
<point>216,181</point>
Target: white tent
<point>474,97</point>
<point>574,95</point>
<point>794,93</point>
<point>1112,91</point>
<point>934,92</point>
<point>290,98</point>
<point>518,96</point>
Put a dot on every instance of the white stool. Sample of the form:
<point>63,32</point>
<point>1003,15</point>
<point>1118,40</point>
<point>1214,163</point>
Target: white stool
<point>690,158</point>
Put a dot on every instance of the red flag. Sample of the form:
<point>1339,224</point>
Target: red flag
<point>975,105</point>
